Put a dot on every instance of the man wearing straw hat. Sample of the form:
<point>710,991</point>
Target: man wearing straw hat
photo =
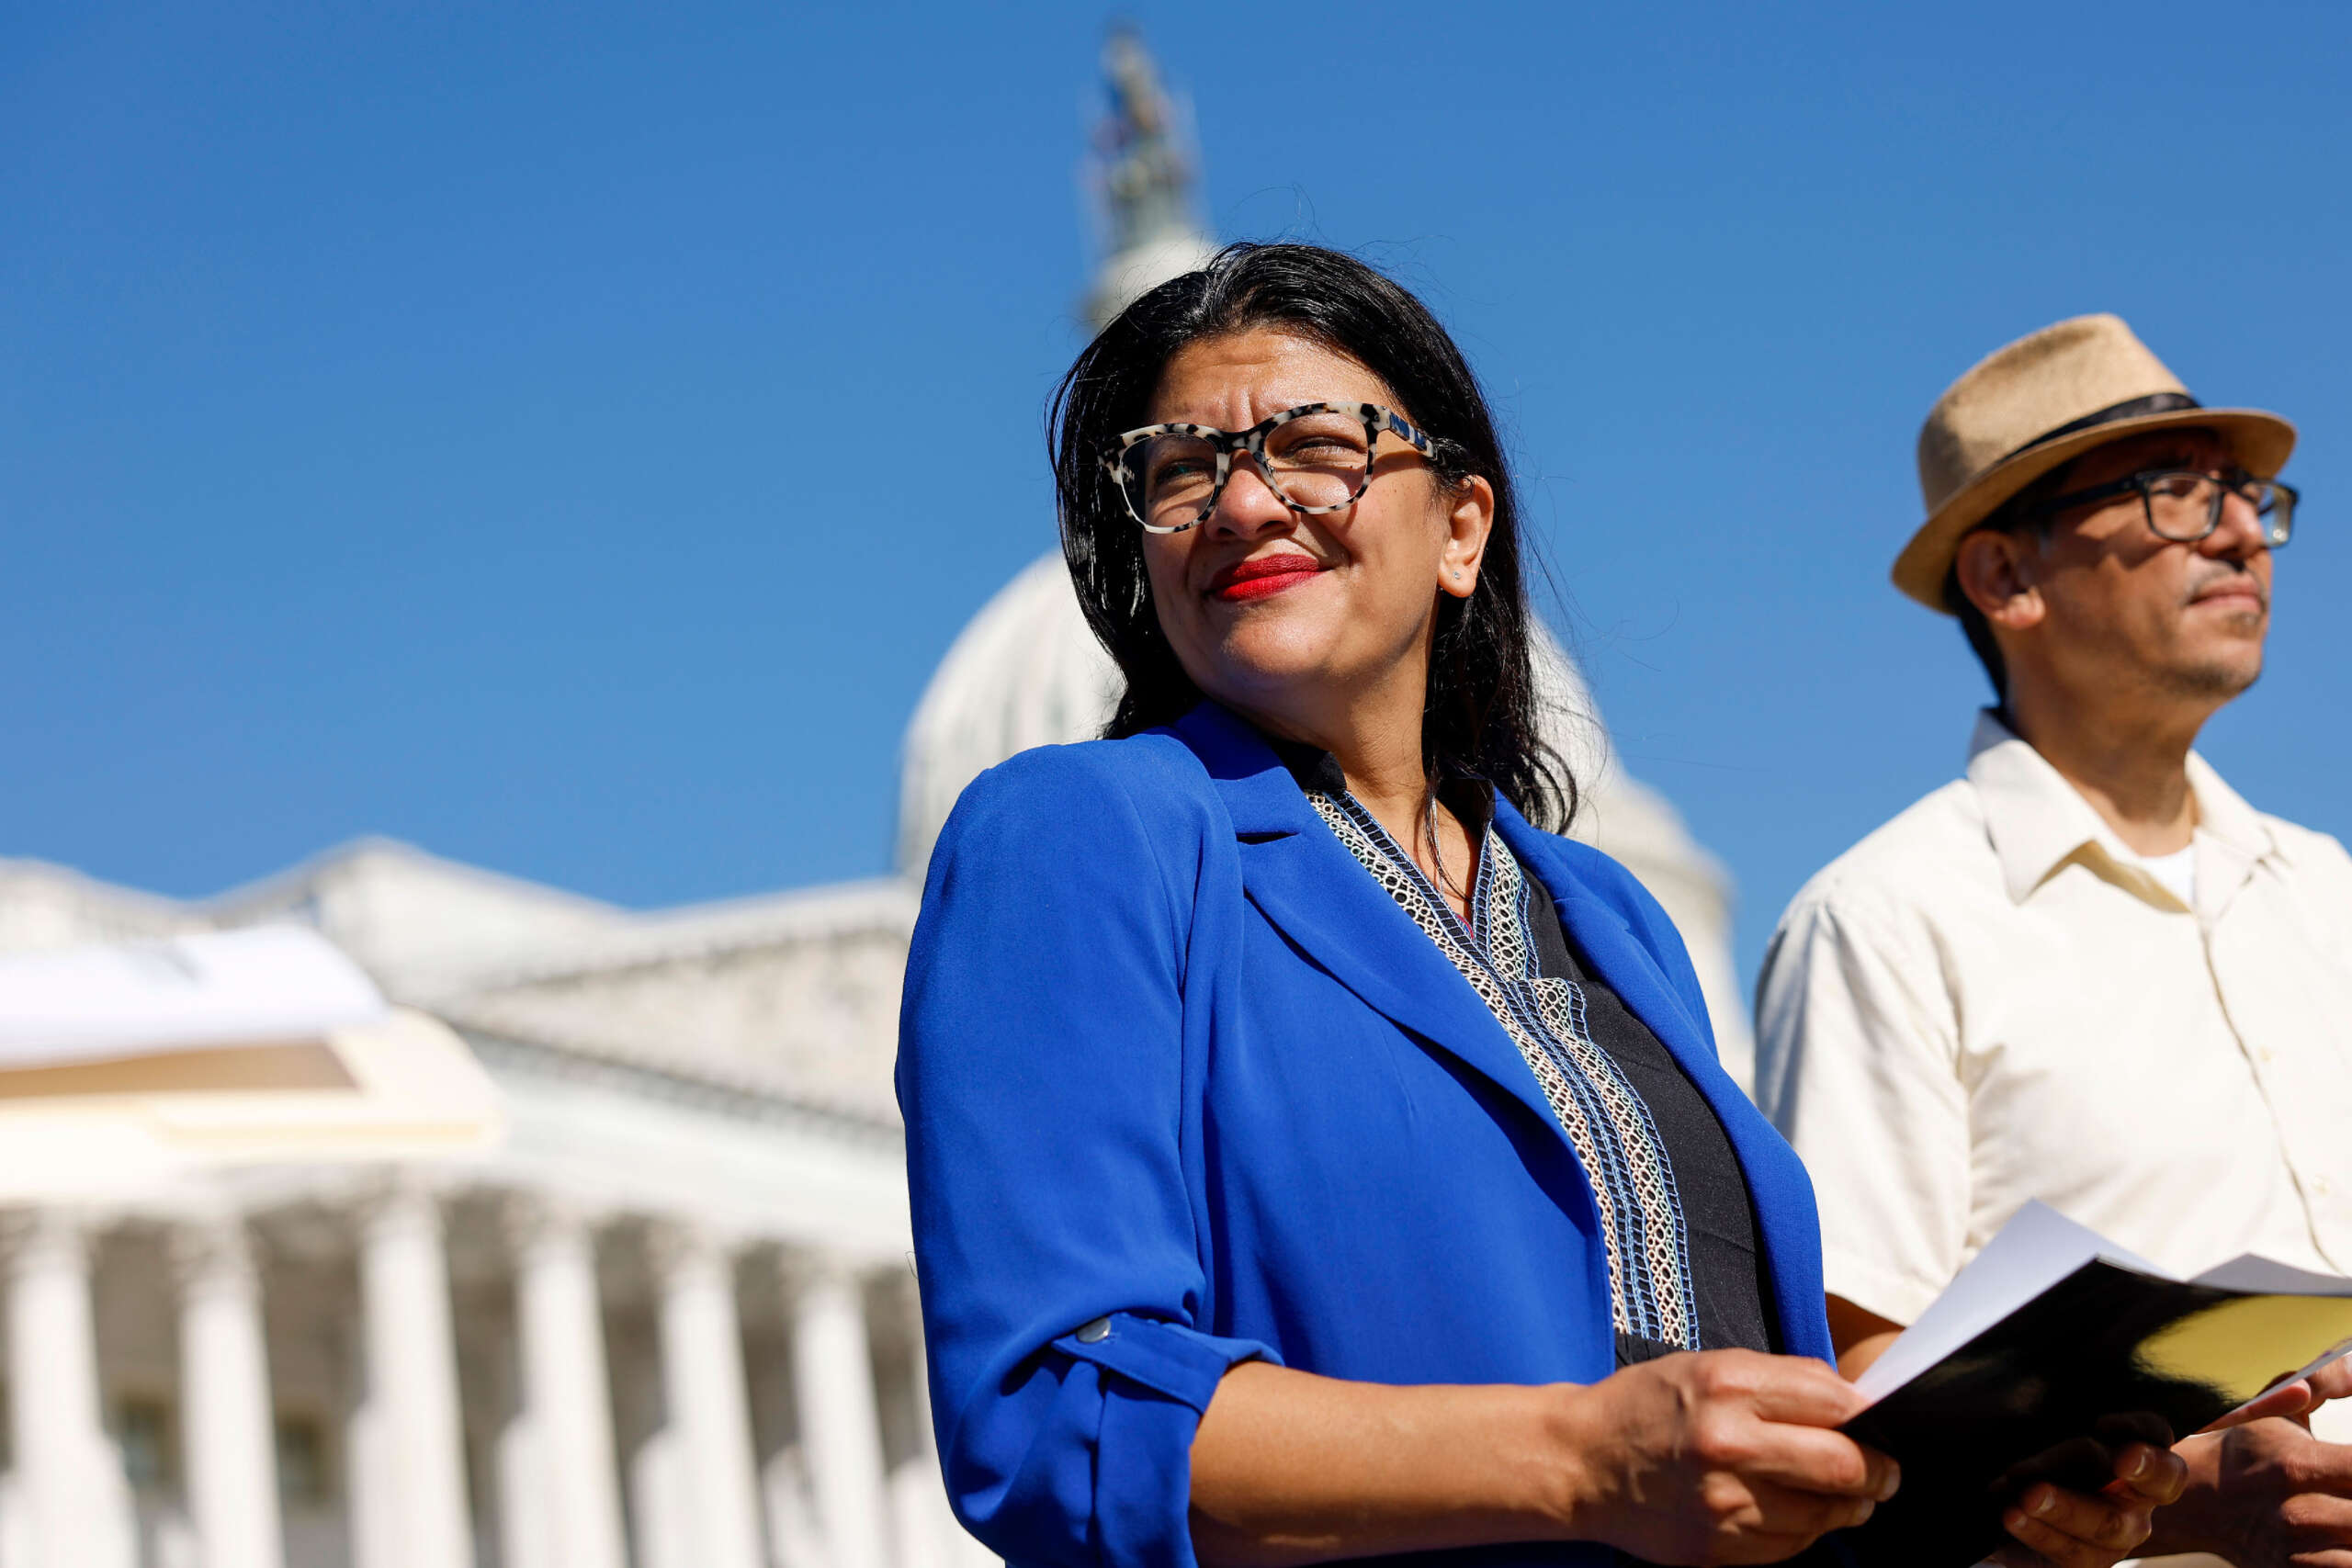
<point>2088,972</point>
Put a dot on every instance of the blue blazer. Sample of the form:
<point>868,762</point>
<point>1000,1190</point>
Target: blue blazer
<point>1184,1086</point>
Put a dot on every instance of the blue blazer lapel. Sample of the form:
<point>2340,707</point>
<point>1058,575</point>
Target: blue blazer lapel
<point>1305,880</point>
<point>1778,1191</point>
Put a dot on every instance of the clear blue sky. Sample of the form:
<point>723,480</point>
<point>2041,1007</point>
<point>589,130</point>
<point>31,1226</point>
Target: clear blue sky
<point>565,438</point>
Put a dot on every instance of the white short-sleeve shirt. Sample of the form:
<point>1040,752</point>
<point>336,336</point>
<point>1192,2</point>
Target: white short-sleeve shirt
<point>1990,1000</point>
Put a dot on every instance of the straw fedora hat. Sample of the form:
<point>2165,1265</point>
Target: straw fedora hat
<point>2048,396</point>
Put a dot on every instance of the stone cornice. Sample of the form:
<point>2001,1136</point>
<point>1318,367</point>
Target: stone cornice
<point>880,905</point>
<point>304,877</point>
<point>667,1083</point>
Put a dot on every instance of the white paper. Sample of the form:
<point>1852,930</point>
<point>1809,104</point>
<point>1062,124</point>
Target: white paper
<point>265,986</point>
<point>2036,1249</point>
<point>2260,1276</point>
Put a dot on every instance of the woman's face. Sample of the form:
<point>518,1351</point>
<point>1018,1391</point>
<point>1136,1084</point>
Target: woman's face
<point>1354,618</point>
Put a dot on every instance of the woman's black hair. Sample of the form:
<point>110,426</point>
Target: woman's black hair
<point>1480,712</point>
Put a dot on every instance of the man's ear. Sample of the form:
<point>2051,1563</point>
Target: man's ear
<point>1999,572</point>
<point>1469,520</point>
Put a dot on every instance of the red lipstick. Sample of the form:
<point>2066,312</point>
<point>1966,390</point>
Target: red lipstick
<point>1262,577</point>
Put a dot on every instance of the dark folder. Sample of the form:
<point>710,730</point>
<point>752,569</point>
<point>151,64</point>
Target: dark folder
<point>2054,1349</point>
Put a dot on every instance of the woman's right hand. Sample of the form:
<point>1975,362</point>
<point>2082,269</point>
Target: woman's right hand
<point>1721,1457</point>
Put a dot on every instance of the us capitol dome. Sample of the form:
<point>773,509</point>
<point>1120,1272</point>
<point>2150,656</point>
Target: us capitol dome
<point>1027,670</point>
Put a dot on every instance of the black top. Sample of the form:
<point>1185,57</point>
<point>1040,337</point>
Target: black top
<point>1726,1266</point>
<point>1727,1270</point>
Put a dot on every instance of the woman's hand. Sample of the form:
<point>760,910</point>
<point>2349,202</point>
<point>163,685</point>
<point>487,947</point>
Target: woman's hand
<point>2077,1529</point>
<point>1721,1457</point>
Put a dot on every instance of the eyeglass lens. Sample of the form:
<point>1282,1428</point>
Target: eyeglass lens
<point>1316,462</point>
<point>2185,506</point>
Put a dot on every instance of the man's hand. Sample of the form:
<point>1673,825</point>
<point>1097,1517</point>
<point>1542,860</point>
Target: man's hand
<point>2297,1399</point>
<point>2263,1494</point>
<point>2077,1529</point>
<point>2333,1381</point>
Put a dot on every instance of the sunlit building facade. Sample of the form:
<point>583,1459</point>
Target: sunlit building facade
<point>667,1320</point>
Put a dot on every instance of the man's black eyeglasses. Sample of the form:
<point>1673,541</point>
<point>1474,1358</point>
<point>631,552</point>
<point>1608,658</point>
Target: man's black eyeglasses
<point>2184,505</point>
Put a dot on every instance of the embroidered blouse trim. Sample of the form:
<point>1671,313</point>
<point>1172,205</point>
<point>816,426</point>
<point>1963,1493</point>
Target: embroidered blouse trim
<point>1605,1119</point>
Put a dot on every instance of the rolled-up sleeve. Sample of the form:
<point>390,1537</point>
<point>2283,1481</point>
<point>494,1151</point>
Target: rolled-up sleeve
<point>1041,1074</point>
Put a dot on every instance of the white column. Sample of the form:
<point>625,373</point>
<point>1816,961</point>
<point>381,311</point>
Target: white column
<point>702,1380</point>
<point>567,1402</point>
<point>415,1432</point>
<point>525,1521</point>
<point>68,1478</point>
<point>371,1511</point>
<point>226,1432</point>
<point>919,1490</point>
<point>833,1380</point>
<point>922,1527</point>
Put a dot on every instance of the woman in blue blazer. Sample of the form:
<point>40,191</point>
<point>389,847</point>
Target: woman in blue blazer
<point>1311,1156</point>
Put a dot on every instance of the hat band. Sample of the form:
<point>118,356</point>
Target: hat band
<point>2132,408</point>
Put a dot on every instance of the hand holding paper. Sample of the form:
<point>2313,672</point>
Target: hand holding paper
<point>2266,1491</point>
<point>2294,1398</point>
<point>1723,1456</point>
<point>2073,1529</point>
<point>2055,1349</point>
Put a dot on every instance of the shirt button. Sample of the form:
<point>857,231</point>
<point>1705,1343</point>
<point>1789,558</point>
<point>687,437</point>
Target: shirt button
<point>2319,1185</point>
<point>2264,1055</point>
<point>1095,1333</point>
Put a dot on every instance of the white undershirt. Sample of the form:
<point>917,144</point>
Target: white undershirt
<point>2176,873</point>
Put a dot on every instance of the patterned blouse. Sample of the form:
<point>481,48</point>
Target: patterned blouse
<point>1608,1123</point>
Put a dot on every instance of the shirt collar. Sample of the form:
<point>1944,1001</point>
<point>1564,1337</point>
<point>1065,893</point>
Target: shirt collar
<point>2223,812</point>
<point>2038,821</point>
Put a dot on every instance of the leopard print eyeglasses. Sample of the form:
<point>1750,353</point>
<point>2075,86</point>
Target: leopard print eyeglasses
<point>1317,457</point>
